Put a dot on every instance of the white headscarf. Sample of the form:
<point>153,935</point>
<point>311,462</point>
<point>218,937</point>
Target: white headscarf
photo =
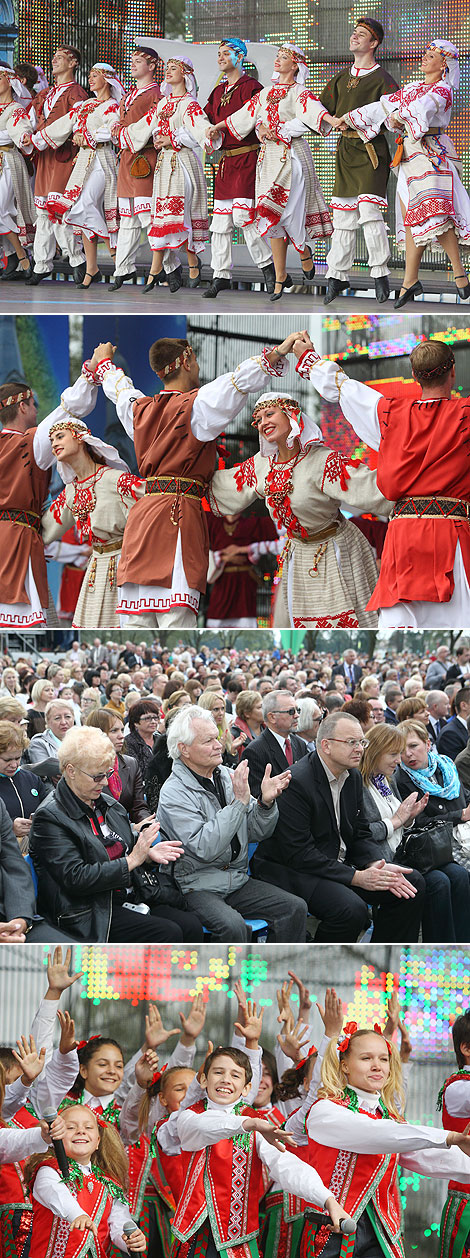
<point>18,88</point>
<point>189,77</point>
<point>111,76</point>
<point>108,454</point>
<point>299,56</point>
<point>451,54</point>
<point>302,428</point>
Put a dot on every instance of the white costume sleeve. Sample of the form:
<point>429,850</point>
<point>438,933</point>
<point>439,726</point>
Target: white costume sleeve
<point>49,1190</point>
<point>340,1128</point>
<point>197,1131</point>
<point>15,1096</point>
<point>19,1143</point>
<point>311,112</point>
<point>168,1137</point>
<point>458,1098</point>
<point>182,1055</point>
<point>255,1057</point>
<point>438,1163</point>
<point>56,1080</point>
<point>120,390</point>
<point>368,120</point>
<point>296,1122</point>
<point>292,130</point>
<point>358,402</point>
<point>76,402</point>
<point>219,402</point>
<point>118,1216</point>
<point>44,1024</point>
<point>292,1174</point>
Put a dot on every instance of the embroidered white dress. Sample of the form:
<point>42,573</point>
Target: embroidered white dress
<point>179,201</point>
<point>89,201</point>
<point>328,570</point>
<point>429,184</point>
<point>17,212</point>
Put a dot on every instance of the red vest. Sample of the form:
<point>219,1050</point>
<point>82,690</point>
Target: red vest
<point>52,1236</point>
<point>223,1182</point>
<point>450,1122</point>
<point>13,1190</point>
<point>357,1179</point>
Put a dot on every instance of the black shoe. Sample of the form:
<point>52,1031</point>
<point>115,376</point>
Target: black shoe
<point>94,279</point>
<point>287,283</point>
<point>194,283</point>
<point>307,276</point>
<point>118,280</point>
<point>408,295</point>
<point>23,272</point>
<point>10,268</point>
<point>37,277</point>
<point>216,287</point>
<point>174,279</point>
<point>269,277</point>
<point>382,288</point>
<point>335,287</point>
<point>79,273</point>
<point>463,292</point>
<point>153,281</point>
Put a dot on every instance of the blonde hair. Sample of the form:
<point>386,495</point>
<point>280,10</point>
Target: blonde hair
<point>334,1081</point>
<point>208,701</point>
<point>381,739</point>
<point>110,1155</point>
<point>11,707</point>
<point>86,745</point>
<point>414,727</point>
<point>11,736</point>
<point>245,702</point>
<point>156,1089</point>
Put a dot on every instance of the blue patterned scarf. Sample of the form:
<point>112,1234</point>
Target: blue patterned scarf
<point>450,788</point>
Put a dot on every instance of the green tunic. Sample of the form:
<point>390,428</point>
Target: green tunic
<point>354,173</point>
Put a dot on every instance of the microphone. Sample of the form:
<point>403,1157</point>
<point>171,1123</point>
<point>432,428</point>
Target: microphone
<point>129,1228</point>
<point>347,1226</point>
<point>49,1115</point>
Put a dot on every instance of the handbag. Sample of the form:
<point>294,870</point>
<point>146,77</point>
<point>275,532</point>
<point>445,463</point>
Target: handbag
<point>428,846</point>
<point>140,168</point>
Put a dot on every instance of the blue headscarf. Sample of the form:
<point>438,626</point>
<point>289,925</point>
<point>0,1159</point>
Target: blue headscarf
<point>237,46</point>
<point>450,788</point>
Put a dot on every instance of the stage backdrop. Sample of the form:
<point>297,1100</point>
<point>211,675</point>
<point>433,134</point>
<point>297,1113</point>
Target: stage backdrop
<point>103,30</point>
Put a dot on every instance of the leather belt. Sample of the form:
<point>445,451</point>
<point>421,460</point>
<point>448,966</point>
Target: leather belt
<point>28,519</point>
<point>6,148</point>
<point>105,548</point>
<point>400,141</point>
<point>318,537</point>
<point>245,148</point>
<point>350,134</point>
<point>431,509</point>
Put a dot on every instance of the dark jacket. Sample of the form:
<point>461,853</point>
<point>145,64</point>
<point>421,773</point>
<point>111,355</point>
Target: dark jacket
<point>453,738</point>
<point>306,842</point>
<point>132,795</point>
<point>264,750</point>
<point>134,746</point>
<point>436,807</point>
<point>16,884</point>
<point>75,876</point>
<point>158,771</point>
<point>390,716</point>
<point>30,789</point>
<point>340,671</point>
<point>462,764</point>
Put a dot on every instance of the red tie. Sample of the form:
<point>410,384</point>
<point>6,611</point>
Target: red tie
<point>288,751</point>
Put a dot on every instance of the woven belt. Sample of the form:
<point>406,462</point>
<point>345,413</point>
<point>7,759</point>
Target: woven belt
<point>400,143</point>
<point>370,150</point>
<point>431,508</point>
<point>245,148</point>
<point>175,486</point>
<point>105,548</point>
<point>6,148</point>
<point>28,519</point>
<point>318,537</point>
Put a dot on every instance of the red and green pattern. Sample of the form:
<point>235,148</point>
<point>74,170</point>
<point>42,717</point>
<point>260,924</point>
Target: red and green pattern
<point>280,1238</point>
<point>182,1249</point>
<point>455,1226</point>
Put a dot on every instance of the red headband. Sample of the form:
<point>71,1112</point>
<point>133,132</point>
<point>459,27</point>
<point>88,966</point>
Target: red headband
<point>16,397</point>
<point>175,366</point>
<point>83,1043</point>
<point>350,1029</point>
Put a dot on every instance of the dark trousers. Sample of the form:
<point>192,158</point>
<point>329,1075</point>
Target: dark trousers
<point>165,925</point>
<point>343,912</point>
<point>446,910</point>
<point>366,1243</point>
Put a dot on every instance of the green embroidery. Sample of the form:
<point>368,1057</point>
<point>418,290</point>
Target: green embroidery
<point>353,1102</point>
<point>464,1074</point>
<point>77,1176</point>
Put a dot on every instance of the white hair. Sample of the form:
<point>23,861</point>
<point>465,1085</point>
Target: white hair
<point>308,710</point>
<point>182,730</point>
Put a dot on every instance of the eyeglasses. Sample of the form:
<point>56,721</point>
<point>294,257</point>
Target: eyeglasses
<point>98,777</point>
<point>148,717</point>
<point>285,711</point>
<point>351,742</point>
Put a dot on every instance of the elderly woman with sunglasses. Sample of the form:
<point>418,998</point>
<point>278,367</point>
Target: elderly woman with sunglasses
<point>93,870</point>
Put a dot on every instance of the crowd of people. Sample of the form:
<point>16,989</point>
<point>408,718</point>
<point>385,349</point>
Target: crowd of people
<point>108,163</point>
<point>147,1154</point>
<point>107,518</point>
<point>157,795</point>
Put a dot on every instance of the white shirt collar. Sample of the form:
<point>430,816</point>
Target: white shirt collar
<point>368,1100</point>
<point>94,1101</point>
<point>281,739</point>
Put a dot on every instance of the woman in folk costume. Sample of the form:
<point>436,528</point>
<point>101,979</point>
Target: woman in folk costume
<point>17,212</point>
<point>99,491</point>
<point>92,1199</point>
<point>89,201</point>
<point>432,204</point>
<point>362,1084</point>
<point>288,197</point>
<point>327,568</point>
<point>179,201</point>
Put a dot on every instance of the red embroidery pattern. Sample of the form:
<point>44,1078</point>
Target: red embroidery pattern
<point>306,362</point>
<point>169,206</point>
<point>274,97</point>
<point>253,105</point>
<point>407,95</point>
<point>278,488</point>
<point>346,620</point>
<point>58,506</point>
<point>127,485</point>
<point>431,207</point>
<point>245,474</point>
<point>336,469</point>
<point>278,195</point>
<point>193,110</point>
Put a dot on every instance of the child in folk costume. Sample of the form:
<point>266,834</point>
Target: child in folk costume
<point>361,1084</point>
<point>454,1101</point>
<point>328,568</point>
<point>92,1199</point>
<point>99,491</point>
<point>218,1208</point>
<point>432,204</point>
<point>289,200</point>
<point>88,203</point>
<point>179,201</point>
<point>17,212</point>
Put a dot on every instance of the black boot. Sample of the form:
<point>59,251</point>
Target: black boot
<point>382,288</point>
<point>118,280</point>
<point>78,273</point>
<point>335,287</point>
<point>37,277</point>
<point>10,268</point>
<point>174,279</point>
<point>269,276</point>
<point>216,287</point>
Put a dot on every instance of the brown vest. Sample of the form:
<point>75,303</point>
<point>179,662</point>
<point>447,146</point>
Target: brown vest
<point>23,488</point>
<point>55,165</point>
<point>128,185</point>
<point>165,446</point>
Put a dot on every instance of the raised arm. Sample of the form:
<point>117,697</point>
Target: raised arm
<point>358,402</point>
<point>76,402</point>
<point>219,402</point>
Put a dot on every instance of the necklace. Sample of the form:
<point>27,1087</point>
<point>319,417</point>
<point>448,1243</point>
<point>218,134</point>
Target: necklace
<point>353,80</point>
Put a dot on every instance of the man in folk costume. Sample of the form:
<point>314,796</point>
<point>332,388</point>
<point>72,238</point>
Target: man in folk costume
<point>361,171</point>
<point>234,186</point>
<point>237,542</point>
<point>423,467</point>
<point>230,1145</point>
<point>25,459</point>
<point>164,561</point>
<point>454,1101</point>
<point>54,167</point>
<point>136,171</point>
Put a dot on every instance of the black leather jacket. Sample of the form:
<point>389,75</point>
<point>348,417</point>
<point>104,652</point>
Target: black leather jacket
<point>76,878</point>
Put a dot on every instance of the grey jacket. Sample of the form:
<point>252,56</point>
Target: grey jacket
<point>40,748</point>
<point>194,816</point>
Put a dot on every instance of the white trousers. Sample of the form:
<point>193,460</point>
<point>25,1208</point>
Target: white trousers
<point>47,235</point>
<point>177,618</point>
<point>128,243</point>
<point>343,242</point>
<point>221,240</point>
